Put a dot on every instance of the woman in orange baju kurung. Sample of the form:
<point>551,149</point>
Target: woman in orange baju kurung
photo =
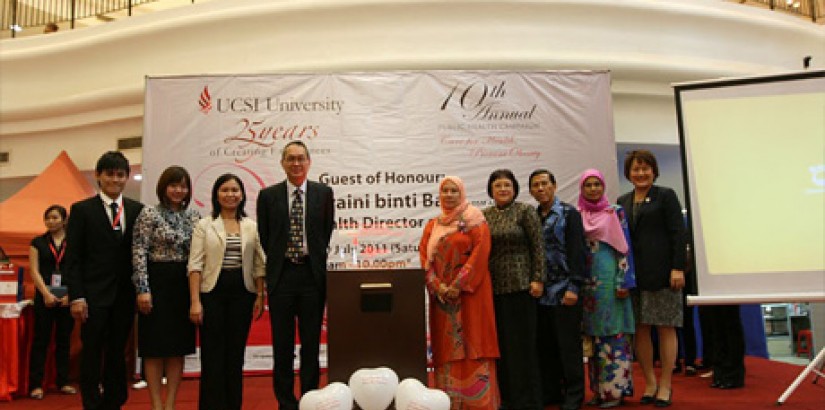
<point>454,250</point>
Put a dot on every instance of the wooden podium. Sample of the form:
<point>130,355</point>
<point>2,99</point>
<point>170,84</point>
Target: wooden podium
<point>375,318</point>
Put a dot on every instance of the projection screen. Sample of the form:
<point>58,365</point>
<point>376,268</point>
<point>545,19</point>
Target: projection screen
<point>753,150</point>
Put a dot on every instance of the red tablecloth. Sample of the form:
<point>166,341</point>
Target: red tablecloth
<point>15,344</point>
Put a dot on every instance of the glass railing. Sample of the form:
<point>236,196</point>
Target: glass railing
<point>810,9</point>
<point>25,17</point>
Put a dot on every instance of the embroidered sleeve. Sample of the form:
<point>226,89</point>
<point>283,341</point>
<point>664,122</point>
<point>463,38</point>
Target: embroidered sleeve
<point>475,270</point>
<point>532,227</point>
<point>141,241</point>
<point>430,277</point>
<point>626,272</point>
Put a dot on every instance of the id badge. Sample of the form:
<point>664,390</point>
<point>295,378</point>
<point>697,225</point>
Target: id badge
<point>57,279</point>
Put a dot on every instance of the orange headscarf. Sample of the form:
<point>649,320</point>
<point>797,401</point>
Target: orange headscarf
<point>464,216</point>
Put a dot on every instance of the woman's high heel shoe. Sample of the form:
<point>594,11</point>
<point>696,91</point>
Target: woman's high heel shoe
<point>663,402</point>
<point>649,399</point>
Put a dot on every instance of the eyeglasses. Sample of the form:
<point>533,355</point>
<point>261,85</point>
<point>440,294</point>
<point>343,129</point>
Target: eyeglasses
<point>298,159</point>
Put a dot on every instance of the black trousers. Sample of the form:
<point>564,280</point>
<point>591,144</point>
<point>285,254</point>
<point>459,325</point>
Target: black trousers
<point>688,333</point>
<point>296,296</point>
<point>103,360</point>
<point>518,370</point>
<point>47,319</point>
<point>560,355</point>
<point>705,325</point>
<point>227,316</point>
<point>728,344</point>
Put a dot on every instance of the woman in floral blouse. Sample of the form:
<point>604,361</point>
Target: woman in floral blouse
<point>517,272</point>
<point>160,251</point>
<point>454,250</point>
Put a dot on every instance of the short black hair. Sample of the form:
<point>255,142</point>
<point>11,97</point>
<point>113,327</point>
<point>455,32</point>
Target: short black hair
<point>60,210</point>
<point>541,171</point>
<point>298,143</point>
<point>502,173</point>
<point>216,206</point>
<point>173,175</point>
<point>643,156</point>
<point>112,160</point>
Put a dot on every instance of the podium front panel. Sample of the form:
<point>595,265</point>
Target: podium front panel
<point>375,318</point>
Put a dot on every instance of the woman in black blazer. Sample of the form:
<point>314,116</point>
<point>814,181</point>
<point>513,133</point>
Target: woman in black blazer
<point>657,238</point>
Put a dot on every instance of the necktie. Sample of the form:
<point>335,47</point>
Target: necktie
<point>116,225</point>
<point>295,245</point>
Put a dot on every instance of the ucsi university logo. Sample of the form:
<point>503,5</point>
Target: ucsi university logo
<point>205,101</point>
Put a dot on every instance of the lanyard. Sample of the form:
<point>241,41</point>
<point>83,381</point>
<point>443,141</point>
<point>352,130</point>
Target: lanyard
<point>57,257</point>
<point>116,218</point>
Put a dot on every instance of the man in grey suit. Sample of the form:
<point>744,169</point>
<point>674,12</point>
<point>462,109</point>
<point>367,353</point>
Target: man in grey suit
<point>295,223</point>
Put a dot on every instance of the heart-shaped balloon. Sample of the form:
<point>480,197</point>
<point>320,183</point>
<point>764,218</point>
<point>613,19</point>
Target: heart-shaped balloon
<point>373,389</point>
<point>429,399</point>
<point>412,395</point>
<point>407,389</point>
<point>335,396</point>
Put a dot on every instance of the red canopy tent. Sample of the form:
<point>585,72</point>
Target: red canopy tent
<point>21,219</point>
<point>21,216</point>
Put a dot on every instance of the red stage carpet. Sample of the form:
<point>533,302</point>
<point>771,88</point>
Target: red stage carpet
<point>765,382</point>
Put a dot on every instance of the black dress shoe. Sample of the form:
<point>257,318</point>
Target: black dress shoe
<point>715,384</point>
<point>611,404</point>
<point>728,386</point>
<point>571,404</point>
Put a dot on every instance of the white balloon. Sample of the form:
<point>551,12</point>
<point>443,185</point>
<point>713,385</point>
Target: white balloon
<point>373,389</point>
<point>429,399</point>
<point>412,395</point>
<point>407,389</point>
<point>335,396</point>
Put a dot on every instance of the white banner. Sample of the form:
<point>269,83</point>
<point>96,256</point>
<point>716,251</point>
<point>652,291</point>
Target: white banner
<point>381,140</point>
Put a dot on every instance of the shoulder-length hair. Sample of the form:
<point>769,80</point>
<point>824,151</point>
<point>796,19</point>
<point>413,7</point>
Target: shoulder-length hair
<point>173,175</point>
<point>216,206</point>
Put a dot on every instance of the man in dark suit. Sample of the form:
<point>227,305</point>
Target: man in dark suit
<point>99,263</point>
<point>295,223</point>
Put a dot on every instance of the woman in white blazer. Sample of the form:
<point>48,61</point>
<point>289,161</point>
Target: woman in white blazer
<point>226,284</point>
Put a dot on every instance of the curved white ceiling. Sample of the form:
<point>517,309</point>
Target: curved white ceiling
<point>96,75</point>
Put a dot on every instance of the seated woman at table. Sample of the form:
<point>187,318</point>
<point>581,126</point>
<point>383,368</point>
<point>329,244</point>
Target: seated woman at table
<point>51,304</point>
